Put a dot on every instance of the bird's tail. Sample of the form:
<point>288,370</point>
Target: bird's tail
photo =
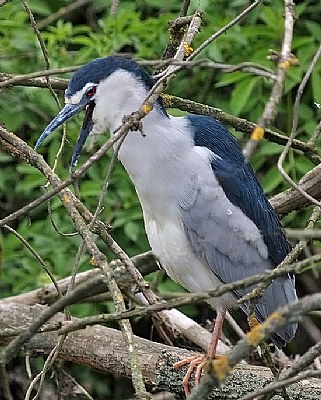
<point>278,294</point>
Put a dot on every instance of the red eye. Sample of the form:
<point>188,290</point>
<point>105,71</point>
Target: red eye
<point>91,91</point>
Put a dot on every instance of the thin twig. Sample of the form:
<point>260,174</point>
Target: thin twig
<point>294,129</point>
<point>47,63</point>
<point>303,362</point>
<point>114,7</point>
<point>10,79</point>
<point>42,46</point>
<point>219,369</point>
<point>53,355</point>
<point>62,12</point>
<point>271,106</point>
<point>184,8</point>
<point>37,257</point>
<point>315,135</point>
<point>224,29</point>
<point>277,385</point>
<point>249,67</point>
<point>240,124</point>
<point>190,298</point>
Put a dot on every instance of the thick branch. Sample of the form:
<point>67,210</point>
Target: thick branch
<point>92,347</point>
<point>240,124</point>
<point>292,199</point>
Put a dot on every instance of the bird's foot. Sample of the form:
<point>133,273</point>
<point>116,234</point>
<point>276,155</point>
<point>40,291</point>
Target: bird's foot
<point>195,363</point>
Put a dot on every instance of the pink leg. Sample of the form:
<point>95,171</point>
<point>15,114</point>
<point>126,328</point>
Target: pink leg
<point>198,362</point>
<point>217,331</point>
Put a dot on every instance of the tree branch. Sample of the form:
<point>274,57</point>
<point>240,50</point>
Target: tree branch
<point>156,359</point>
<point>47,294</point>
<point>292,199</point>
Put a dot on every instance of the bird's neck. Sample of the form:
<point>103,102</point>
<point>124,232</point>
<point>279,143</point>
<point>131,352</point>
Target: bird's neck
<point>160,144</point>
<point>154,159</point>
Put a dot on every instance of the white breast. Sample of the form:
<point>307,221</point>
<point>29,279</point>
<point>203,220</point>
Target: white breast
<point>163,165</point>
<point>169,243</point>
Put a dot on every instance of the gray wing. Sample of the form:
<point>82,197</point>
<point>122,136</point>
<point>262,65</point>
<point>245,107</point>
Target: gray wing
<point>232,246</point>
<point>221,234</point>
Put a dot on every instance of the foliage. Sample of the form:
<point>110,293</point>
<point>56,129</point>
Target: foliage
<point>140,28</point>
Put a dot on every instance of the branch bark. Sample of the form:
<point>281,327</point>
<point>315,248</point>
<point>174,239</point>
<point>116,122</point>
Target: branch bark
<point>48,294</point>
<point>292,199</point>
<point>92,347</point>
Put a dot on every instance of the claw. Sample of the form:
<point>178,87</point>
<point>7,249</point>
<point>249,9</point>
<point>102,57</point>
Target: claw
<point>195,362</point>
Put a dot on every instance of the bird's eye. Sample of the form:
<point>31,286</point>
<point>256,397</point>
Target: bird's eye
<point>91,91</point>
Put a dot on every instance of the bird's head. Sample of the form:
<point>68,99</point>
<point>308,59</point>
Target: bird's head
<point>108,88</point>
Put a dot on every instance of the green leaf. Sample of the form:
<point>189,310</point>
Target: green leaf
<point>271,180</point>
<point>241,94</point>
<point>132,230</point>
<point>228,79</point>
<point>314,28</point>
<point>303,165</point>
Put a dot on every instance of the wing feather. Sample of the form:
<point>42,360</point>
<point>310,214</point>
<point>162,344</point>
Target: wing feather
<point>231,225</point>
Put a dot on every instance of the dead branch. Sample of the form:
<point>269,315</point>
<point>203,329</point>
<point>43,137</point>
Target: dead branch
<point>47,294</point>
<point>284,63</point>
<point>292,199</point>
<point>92,347</point>
<point>62,12</point>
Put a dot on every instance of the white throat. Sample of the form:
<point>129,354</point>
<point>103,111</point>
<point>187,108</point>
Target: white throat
<point>118,95</point>
<point>159,151</point>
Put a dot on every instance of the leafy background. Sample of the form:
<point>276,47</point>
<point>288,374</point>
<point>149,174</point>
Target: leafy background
<point>140,30</point>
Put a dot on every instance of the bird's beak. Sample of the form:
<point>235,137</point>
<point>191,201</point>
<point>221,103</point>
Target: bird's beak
<point>85,130</point>
<point>66,113</point>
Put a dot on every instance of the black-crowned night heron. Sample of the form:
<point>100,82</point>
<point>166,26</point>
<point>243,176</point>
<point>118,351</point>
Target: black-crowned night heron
<point>206,216</point>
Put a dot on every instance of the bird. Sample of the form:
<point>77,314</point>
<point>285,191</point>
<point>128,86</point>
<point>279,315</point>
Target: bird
<point>206,216</point>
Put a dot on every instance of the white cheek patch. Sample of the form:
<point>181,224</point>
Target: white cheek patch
<point>100,123</point>
<point>75,98</point>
